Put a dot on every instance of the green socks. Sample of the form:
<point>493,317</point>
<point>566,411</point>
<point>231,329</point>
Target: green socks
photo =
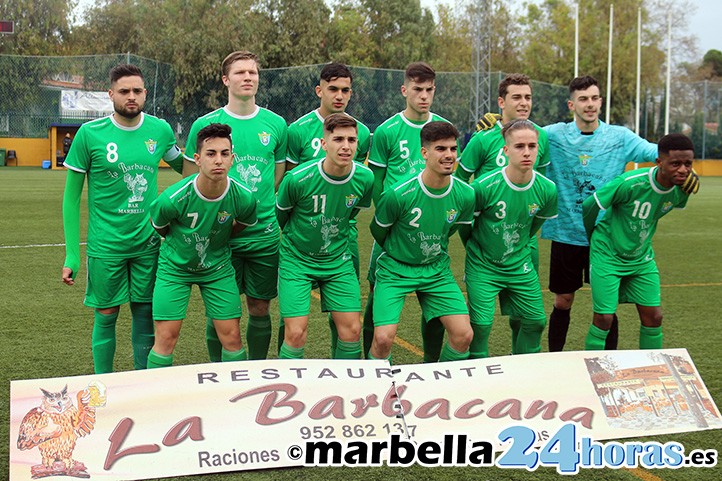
<point>212,342</point>
<point>450,354</point>
<point>347,350</point>
<point>258,336</point>
<point>370,356</point>
<point>288,352</point>
<point>368,326</point>
<point>240,355</point>
<point>334,336</point>
<point>156,360</point>
<point>141,333</point>
<point>103,341</point>
<point>596,339</point>
<point>432,338</point>
<point>479,347</point>
<point>650,337</point>
<point>515,325</point>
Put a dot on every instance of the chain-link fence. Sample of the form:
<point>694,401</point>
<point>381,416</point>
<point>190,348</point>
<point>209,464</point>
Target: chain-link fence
<point>37,92</point>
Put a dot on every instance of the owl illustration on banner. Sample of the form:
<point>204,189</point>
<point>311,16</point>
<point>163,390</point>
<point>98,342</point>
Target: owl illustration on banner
<point>54,428</point>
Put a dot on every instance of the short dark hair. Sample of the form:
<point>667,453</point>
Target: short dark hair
<point>236,56</point>
<point>513,79</point>
<point>335,121</point>
<point>213,131</point>
<point>674,142</point>
<point>438,130</point>
<point>582,83</point>
<point>419,72</point>
<point>124,70</point>
<point>335,70</point>
<point>518,124</point>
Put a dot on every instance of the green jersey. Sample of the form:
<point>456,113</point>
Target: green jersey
<point>506,214</point>
<point>304,140</point>
<point>634,202</point>
<point>397,148</point>
<point>259,143</point>
<point>199,229</point>
<point>121,164</point>
<point>420,221</point>
<point>485,153</point>
<point>320,208</point>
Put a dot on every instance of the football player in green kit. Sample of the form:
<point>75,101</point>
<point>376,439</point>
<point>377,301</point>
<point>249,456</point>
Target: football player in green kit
<point>413,222</point>
<point>485,153</point>
<point>119,154</point>
<point>512,203</point>
<point>197,217</point>
<point>316,203</point>
<point>259,144</point>
<point>395,156</point>
<point>621,256</point>
<point>304,144</point>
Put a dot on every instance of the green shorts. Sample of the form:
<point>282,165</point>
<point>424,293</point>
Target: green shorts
<point>521,292</point>
<point>337,282</point>
<point>506,304</point>
<point>375,253</point>
<point>614,283</point>
<point>112,282</point>
<point>256,272</point>
<point>434,284</point>
<point>220,296</point>
<point>353,248</point>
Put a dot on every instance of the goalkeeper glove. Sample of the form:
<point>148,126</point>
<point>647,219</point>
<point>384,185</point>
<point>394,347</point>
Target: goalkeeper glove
<point>691,184</point>
<point>487,121</point>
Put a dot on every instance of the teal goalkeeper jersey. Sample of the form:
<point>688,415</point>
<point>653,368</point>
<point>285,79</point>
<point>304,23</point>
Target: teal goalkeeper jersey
<point>197,242</point>
<point>121,164</point>
<point>396,147</point>
<point>504,215</point>
<point>634,203</point>
<point>304,140</point>
<point>420,221</point>
<point>485,153</point>
<point>320,208</point>
<point>259,143</point>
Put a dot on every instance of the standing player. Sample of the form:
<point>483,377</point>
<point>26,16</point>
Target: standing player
<point>395,156</point>
<point>586,154</point>
<point>304,143</point>
<point>197,217</point>
<point>120,155</point>
<point>485,152</point>
<point>511,205</point>
<point>621,257</point>
<point>259,145</point>
<point>414,220</point>
<point>316,203</point>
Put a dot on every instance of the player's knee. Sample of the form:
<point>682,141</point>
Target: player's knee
<point>383,340</point>
<point>461,338</point>
<point>350,332</point>
<point>603,321</point>
<point>258,307</point>
<point>295,335</point>
<point>564,301</point>
<point>166,338</point>
<point>653,318</point>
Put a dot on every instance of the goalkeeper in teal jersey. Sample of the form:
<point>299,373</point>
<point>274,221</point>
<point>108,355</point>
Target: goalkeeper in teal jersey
<point>512,203</point>
<point>259,146</point>
<point>119,154</point>
<point>413,222</point>
<point>485,153</point>
<point>621,257</point>
<point>316,203</point>
<point>586,154</point>
<point>304,143</point>
<point>197,217</point>
<point>396,156</point>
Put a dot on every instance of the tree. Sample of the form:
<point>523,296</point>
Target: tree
<point>41,26</point>
<point>711,68</point>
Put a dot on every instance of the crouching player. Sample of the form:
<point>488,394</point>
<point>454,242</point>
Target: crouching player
<point>511,205</point>
<point>197,216</point>
<point>315,205</point>
<point>621,257</point>
<point>413,222</point>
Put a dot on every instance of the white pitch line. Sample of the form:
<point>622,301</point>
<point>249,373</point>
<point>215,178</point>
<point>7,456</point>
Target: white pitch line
<point>28,246</point>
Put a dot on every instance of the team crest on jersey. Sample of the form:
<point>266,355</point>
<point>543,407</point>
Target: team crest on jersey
<point>264,137</point>
<point>351,200</point>
<point>223,216</point>
<point>151,144</point>
<point>533,209</point>
<point>451,215</point>
<point>584,159</point>
<point>666,207</point>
